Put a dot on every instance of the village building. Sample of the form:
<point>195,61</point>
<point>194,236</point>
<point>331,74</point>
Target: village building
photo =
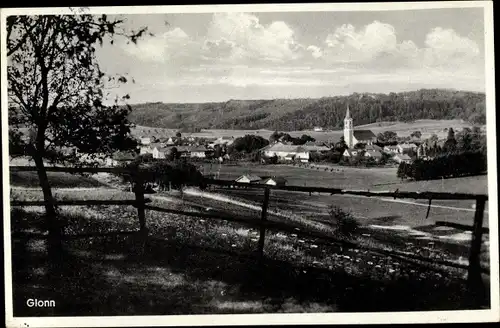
<point>248,178</point>
<point>273,181</point>
<point>198,152</point>
<point>391,149</point>
<point>170,142</point>
<point>353,137</point>
<point>400,158</point>
<point>286,152</point>
<point>350,153</point>
<point>315,147</point>
<point>119,158</point>
<point>406,147</point>
<point>375,154</point>
<point>318,129</point>
<point>145,140</point>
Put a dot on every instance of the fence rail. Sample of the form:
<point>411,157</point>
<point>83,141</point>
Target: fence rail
<point>474,279</point>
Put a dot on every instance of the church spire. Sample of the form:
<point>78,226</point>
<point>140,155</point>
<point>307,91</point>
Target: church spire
<point>347,114</point>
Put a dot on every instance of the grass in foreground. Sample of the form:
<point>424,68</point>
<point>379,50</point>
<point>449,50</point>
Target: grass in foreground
<point>205,266</point>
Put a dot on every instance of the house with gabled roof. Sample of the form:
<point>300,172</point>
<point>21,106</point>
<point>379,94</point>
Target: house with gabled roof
<point>400,158</point>
<point>248,178</point>
<point>286,152</point>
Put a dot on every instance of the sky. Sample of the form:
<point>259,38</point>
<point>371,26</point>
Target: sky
<point>205,57</point>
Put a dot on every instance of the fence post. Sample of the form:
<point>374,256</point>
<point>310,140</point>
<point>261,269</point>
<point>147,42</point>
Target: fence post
<point>139,197</point>
<point>263,220</point>
<point>475,286</point>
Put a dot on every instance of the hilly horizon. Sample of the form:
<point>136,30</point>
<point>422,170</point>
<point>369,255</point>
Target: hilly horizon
<point>306,113</point>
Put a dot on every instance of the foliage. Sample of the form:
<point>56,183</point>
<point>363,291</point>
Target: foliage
<point>301,114</point>
<point>164,173</point>
<point>248,144</point>
<point>444,166</point>
<point>345,225</point>
<point>387,136</point>
<point>416,134</point>
<point>55,86</point>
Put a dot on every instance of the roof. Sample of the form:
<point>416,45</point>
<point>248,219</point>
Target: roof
<point>406,145</point>
<point>392,147</point>
<point>250,177</point>
<point>373,147</point>
<point>403,157</point>
<point>364,134</point>
<point>123,156</point>
<point>315,147</point>
<point>373,153</point>
<point>285,148</point>
<point>279,180</point>
<point>347,113</point>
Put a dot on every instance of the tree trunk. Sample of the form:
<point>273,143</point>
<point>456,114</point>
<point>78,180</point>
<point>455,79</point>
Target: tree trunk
<point>52,224</point>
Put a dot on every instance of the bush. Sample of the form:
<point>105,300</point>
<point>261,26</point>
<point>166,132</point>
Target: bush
<point>346,226</point>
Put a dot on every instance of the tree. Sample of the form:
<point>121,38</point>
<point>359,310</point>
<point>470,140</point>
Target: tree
<point>387,136</point>
<point>450,144</point>
<point>416,134</point>
<point>248,143</point>
<point>341,146</point>
<point>55,88</point>
<point>218,151</point>
<point>178,134</point>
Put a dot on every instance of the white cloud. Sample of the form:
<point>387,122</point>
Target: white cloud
<point>251,40</point>
<point>161,47</point>
<point>347,44</point>
<point>446,47</point>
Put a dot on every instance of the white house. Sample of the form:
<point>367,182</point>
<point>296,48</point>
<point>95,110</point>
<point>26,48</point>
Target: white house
<point>248,178</point>
<point>391,149</point>
<point>399,158</point>
<point>283,152</point>
<point>198,152</point>
<point>170,142</point>
<point>353,137</point>
<point>145,140</point>
<point>274,181</point>
<point>406,147</point>
<point>351,153</point>
<point>318,129</point>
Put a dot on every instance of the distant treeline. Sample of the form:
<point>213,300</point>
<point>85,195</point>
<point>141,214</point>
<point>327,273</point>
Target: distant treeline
<point>328,112</point>
<point>445,166</point>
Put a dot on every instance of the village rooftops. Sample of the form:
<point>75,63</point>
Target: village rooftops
<point>280,147</point>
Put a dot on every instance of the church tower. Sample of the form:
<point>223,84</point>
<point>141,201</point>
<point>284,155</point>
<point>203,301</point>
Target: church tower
<point>348,129</point>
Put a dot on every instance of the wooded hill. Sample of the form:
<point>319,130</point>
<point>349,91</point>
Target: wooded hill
<point>327,112</point>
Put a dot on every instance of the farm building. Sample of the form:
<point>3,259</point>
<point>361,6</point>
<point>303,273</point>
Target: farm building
<point>406,147</point>
<point>198,152</point>
<point>248,178</point>
<point>373,147</point>
<point>400,158</point>
<point>353,137</point>
<point>351,153</point>
<point>170,142</point>
<point>145,140</point>
<point>273,181</point>
<point>286,152</point>
<point>119,158</point>
<point>391,149</point>
<point>375,154</point>
<point>313,147</point>
<point>318,129</point>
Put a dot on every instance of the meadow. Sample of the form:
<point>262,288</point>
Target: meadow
<point>193,265</point>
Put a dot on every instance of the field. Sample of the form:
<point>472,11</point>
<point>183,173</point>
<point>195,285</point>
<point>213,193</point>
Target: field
<point>200,266</point>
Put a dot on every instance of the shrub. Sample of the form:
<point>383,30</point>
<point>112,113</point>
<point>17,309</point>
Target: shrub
<point>346,226</point>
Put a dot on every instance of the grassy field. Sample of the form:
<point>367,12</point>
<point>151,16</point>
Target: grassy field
<point>202,266</point>
<point>56,180</point>
<point>197,266</point>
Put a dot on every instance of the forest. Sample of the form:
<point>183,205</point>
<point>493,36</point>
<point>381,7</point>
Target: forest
<point>304,114</point>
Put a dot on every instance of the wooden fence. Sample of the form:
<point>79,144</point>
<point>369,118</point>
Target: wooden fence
<point>474,270</point>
